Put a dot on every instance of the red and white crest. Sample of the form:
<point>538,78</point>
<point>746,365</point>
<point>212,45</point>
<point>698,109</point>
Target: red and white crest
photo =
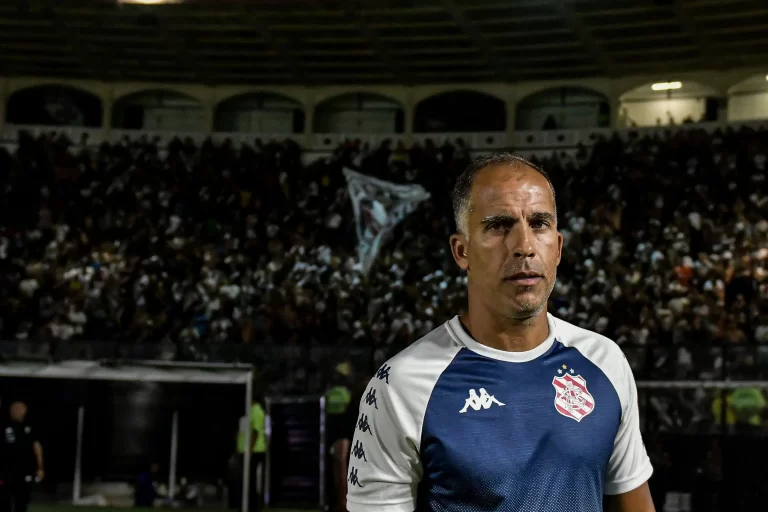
<point>572,399</point>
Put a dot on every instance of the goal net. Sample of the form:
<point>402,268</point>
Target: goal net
<point>103,424</point>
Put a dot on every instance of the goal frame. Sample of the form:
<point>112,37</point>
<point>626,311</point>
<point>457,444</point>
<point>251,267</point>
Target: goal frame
<point>142,371</point>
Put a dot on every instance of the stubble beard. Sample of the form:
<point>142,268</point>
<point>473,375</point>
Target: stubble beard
<point>527,311</point>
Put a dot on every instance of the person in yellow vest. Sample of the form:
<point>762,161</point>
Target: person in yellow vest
<point>337,404</point>
<point>258,449</point>
<point>338,396</point>
<point>744,408</point>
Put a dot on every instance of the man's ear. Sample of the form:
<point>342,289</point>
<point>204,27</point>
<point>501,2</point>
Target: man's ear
<point>459,249</point>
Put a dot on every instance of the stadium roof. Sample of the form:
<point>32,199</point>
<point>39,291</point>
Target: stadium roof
<point>377,41</point>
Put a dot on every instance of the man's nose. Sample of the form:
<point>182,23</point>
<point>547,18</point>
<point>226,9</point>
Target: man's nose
<point>522,241</point>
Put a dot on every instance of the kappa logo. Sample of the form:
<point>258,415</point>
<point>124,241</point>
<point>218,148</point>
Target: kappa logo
<point>358,452</point>
<point>363,425</point>
<point>483,401</point>
<point>383,373</point>
<point>353,477</point>
<point>370,398</point>
<point>572,398</point>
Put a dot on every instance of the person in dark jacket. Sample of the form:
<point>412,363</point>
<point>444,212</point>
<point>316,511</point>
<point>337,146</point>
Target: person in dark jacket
<point>21,456</point>
<point>146,487</point>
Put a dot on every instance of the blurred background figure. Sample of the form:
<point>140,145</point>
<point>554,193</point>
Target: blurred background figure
<point>338,402</point>
<point>341,442</point>
<point>145,490</point>
<point>744,409</point>
<point>21,457</point>
<point>257,453</point>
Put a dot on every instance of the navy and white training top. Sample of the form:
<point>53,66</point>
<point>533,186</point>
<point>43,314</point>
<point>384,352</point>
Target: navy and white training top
<point>452,425</point>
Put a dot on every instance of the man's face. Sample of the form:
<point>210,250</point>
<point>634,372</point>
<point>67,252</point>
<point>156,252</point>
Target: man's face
<point>513,248</point>
<point>18,411</point>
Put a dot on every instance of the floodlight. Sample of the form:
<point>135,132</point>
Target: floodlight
<point>666,86</point>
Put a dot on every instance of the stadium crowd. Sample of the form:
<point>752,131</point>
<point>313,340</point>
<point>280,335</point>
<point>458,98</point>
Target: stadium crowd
<point>666,245</point>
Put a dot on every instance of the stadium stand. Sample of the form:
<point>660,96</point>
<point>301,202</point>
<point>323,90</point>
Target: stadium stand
<point>172,189</point>
<point>217,245</point>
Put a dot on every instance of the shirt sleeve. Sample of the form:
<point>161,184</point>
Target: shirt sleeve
<point>384,467</point>
<point>629,466</point>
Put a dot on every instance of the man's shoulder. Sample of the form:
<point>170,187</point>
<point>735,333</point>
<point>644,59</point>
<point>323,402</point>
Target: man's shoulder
<point>439,346</point>
<point>258,414</point>
<point>422,362</point>
<point>17,426</point>
<point>401,388</point>
<point>599,349</point>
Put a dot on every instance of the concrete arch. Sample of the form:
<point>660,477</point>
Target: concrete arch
<point>717,82</point>
<point>225,94</point>
<point>394,93</point>
<point>689,89</point>
<point>563,108</point>
<point>599,85</point>
<point>54,104</point>
<point>259,112</point>
<point>18,84</point>
<point>460,110</point>
<point>691,101</point>
<point>201,93</point>
<point>425,92</point>
<point>754,82</point>
<point>748,99</point>
<point>359,112</point>
<point>159,109</point>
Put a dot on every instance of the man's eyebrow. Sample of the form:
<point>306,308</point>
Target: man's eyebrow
<point>505,218</point>
<point>542,216</point>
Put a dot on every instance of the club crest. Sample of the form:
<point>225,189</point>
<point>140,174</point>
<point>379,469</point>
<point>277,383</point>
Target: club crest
<point>572,398</point>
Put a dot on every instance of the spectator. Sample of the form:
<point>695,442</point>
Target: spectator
<point>206,250</point>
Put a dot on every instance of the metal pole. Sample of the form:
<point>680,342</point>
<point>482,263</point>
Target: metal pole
<point>174,455</point>
<point>76,488</point>
<point>248,452</point>
<point>322,451</point>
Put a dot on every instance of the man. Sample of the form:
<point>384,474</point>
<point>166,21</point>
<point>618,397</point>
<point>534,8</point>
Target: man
<point>341,438</point>
<point>258,450</point>
<point>145,492</point>
<point>338,401</point>
<point>22,461</point>
<point>337,397</point>
<point>507,407</point>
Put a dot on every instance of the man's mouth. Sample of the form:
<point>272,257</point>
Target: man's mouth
<point>524,278</point>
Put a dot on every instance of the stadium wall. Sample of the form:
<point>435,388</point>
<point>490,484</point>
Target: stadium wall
<point>511,94</point>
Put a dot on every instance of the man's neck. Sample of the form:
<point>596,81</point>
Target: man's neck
<point>502,333</point>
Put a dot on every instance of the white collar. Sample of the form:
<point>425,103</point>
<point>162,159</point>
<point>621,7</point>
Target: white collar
<point>457,330</point>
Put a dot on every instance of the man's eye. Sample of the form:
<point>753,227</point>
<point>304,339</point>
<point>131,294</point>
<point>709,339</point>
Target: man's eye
<point>539,224</point>
<point>497,227</point>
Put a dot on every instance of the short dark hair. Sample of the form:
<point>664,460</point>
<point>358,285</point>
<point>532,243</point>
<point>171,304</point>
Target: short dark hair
<point>463,188</point>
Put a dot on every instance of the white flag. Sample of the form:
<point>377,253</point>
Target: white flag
<point>379,206</point>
